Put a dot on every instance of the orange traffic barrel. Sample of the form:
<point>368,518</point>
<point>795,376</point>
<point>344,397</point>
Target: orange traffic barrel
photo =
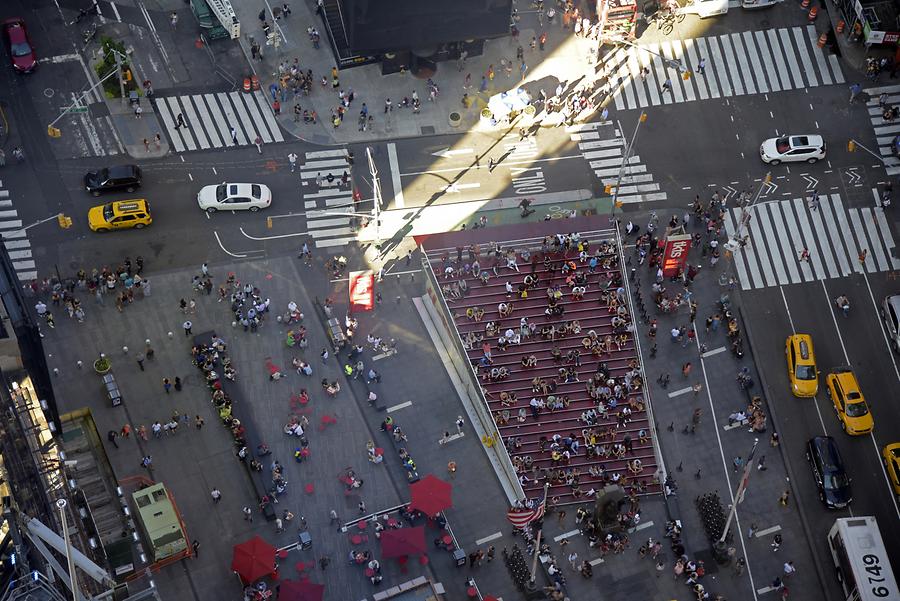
<point>840,26</point>
<point>822,40</point>
<point>813,13</point>
<point>246,84</point>
<point>254,80</point>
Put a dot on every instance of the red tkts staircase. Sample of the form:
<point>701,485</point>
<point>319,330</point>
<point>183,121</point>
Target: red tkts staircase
<point>592,314</point>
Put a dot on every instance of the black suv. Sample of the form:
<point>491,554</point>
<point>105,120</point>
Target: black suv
<point>828,471</point>
<point>118,177</point>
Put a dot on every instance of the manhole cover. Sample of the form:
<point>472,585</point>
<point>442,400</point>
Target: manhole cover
<point>427,130</point>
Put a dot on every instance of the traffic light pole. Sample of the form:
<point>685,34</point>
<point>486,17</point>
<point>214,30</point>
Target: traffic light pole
<point>622,167</point>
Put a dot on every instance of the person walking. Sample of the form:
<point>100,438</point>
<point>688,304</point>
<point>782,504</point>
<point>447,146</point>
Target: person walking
<point>361,507</point>
<point>855,89</point>
<point>140,360</point>
<point>783,499</point>
<point>195,547</point>
<point>187,325</point>
<point>173,19</point>
<point>234,139</point>
<point>324,355</point>
<point>667,86</point>
<point>761,464</point>
<point>686,369</point>
<point>752,530</point>
<point>179,121</point>
<point>776,543</point>
<point>111,436</point>
<point>216,495</point>
<point>248,514</point>
<point>147,462</point>
<point>459,424</point>
<point>701,66</point>
<point>167,385</point>
<point>258,141</point>
<point>804,255</point>
<point>862,257</point>
<point>789,569</point>
<point>737,462</point>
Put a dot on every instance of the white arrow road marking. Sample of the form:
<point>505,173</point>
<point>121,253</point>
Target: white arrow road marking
<point>456,188</point>
<point>446,152</point>
<point>811,182</point>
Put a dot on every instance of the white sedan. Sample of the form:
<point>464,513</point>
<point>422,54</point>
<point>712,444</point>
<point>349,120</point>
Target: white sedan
<point>792,149</point>
<point>234,197</point>
<point>705,8</point>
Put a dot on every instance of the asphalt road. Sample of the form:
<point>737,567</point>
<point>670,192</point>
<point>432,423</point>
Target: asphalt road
<point>858,341</point>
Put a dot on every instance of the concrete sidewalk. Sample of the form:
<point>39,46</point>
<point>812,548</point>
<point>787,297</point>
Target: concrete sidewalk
<point>564,59</point>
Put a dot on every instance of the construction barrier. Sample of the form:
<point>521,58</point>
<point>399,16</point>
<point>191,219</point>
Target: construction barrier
<point>813,13</point>
<point>822,40</point>
<point>805,4</point>
<point>840,26</point>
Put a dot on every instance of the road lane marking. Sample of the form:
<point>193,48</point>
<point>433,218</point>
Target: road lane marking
<point>399,406</point>
<point>489,538</point>
<point>399,202</point>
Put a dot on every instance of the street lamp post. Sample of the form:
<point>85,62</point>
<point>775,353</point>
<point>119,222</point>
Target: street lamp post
<point>628,151</point>
<point>720,546</point>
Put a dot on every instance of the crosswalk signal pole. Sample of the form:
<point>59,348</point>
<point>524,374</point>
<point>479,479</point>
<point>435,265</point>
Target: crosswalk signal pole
<point>376,195</point>
<point>628,151</point>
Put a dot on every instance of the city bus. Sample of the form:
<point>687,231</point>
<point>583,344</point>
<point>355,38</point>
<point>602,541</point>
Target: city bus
<point>860,560</point>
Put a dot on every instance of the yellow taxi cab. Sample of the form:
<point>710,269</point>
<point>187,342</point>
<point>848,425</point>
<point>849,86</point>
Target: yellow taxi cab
<point>849,404</point>
<point>891,456</point>
<point>801,364</point>
<point>120,215</point>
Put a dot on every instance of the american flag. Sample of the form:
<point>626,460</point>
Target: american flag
<point>521,517</point>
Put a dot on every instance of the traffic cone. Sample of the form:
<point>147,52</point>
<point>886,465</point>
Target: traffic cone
<point>840,26</point>
<point>822,40</point>
<point>813,13</point>
<point>804,5</point>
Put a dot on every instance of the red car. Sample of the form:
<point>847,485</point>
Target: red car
<point>21,52</point>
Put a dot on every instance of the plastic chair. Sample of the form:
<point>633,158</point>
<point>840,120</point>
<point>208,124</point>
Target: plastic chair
<point>310,488</point>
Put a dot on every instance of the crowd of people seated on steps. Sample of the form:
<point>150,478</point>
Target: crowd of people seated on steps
<point>565,269</point>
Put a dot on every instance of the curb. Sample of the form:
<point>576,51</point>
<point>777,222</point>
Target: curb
<point>787,466</point>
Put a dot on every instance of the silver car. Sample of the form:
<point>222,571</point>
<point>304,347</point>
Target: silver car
<point>890,314</point>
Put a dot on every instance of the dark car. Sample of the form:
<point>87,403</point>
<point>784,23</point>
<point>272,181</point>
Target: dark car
<point>828,471</point>
<point>118,177</point>
<point>21,52</point>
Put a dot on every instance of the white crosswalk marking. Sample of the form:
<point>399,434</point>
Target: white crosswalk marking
<point>834,235</point>
<point>605,155</point>
<point>718,64</point>
<point>17,245</point>
<point>325,207</point>
<point>885,132</point>
<point>210,117</point>
<point>750,48</point>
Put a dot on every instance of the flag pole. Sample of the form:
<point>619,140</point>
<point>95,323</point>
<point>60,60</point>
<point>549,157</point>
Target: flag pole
<point>537,540</point>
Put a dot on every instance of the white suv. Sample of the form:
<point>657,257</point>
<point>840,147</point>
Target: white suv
<point>792,149</point>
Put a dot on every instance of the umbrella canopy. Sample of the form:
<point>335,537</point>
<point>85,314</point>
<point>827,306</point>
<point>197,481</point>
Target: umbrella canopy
<point>504,102</point>
<point>402,542</point>
<point>430,495</point>
<point>302,590</point>
<point>253,559</point>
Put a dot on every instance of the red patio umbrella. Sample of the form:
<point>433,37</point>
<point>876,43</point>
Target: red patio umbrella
<point>253,559</point>
<point>301,590</point>
<point>430,495</point>
<point>402,542</point>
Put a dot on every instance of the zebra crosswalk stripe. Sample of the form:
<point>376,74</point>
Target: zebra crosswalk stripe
<point>731,62</point>
<point>834,235</point>
<point>767,60</point>
<point>209,118</point>
<point>18,248</point>
<point>750,48</point>
<point>324,222</point>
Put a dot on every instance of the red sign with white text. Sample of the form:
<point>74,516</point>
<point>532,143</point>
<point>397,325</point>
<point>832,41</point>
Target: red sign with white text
<point>362,290</point>
<point>675,254</point>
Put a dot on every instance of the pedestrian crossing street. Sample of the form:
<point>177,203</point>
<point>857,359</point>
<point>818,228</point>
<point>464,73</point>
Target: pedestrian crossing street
<point>326,204</point>
<point>15,239</point>
<point>750,62</point>
<point>604,147</point>
<point>210,117</point>
<point>834,235</point>
<point>885,132</point>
